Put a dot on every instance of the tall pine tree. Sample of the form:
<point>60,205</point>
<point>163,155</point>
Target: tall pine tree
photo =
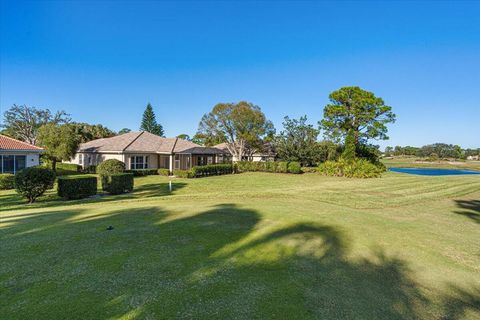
<point>149,123</point>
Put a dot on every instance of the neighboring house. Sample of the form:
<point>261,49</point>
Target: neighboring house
<point>16,155</point>
<point>143,150</point>
<point>267,154</point>
<point>473,158</point>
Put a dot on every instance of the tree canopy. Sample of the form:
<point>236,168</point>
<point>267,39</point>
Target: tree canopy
<point>149,122</point>
<point>88,132</point>
<point>298,142</point>
<point>240,125</point>
<point>359,111</point>
<point>124,130</point>
<point>23,122</point>
<point>60,142</point>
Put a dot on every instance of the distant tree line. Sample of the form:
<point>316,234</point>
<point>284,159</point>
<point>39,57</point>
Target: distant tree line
<point>435,150</point>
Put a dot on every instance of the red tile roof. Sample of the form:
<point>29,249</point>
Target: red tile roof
<point>7,143</point>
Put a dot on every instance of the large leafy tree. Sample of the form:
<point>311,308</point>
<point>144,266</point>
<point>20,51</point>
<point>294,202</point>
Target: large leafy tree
<point>298,142</point>
<point>149,122</point>
<point>124,130</point>
<point>23,122</point>
<point>359,112</point>
<point>240,125</point>
<point>59,141</point>
<point>88,132</point>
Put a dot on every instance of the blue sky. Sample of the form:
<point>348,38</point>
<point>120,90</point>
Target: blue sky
<point>104,61</point>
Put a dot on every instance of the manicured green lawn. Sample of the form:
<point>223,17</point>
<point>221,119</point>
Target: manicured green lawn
<point>248,246</point>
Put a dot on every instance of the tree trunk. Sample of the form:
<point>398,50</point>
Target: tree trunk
<point>54,165</point>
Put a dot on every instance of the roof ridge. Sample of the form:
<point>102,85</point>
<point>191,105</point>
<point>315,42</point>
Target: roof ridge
<point>174,145</point>
<point>129,144</point>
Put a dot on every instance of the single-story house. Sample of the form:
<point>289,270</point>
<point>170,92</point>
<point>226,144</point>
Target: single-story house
<point>267,154</point>
<point>16,155</point>
<point>143,150</point>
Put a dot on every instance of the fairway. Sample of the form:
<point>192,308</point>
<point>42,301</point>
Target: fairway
<point>247,246</point>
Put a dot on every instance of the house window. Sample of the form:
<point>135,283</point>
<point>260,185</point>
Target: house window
<point>138,162</point>
<point>210,160</point>
<point>12,164</point>
<point>177,161</point>
<point>80,159</point>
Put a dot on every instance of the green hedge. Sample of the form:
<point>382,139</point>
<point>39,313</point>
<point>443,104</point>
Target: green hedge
<point>358,168</point>
<point>211,170</point>
<point>182,173</point>
<point>7,181</point>
<point>117,183</point>
<point>143,172</point>
<point>110,166</point>
<point>294,167</point>
<point>269,166</point>
<point>77,187</point>
<point>163,172</point>
<point>89,169</point>
<point>33,182</point>
<point>310,169</point>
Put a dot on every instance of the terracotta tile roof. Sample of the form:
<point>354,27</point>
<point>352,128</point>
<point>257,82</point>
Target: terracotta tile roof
<point>144,142</point>
<point>7,143</point>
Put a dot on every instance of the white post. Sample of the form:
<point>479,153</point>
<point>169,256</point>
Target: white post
<point>170,165</point>
<point>170,185</point>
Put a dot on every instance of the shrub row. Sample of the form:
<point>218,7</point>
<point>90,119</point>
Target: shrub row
<point>143,172</point>
<point>357,168</point>
<point>182,173</point>
<point>7,181</point>
<point>117,183</point>
<point>211,170</point>
<point>77,187</point>
<point>269,166</point>
<point>163,172</point>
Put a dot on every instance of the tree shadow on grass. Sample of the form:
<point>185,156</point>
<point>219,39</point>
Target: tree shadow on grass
<point>471,209</point>
<point>462,302</point>
<point>214,264</point>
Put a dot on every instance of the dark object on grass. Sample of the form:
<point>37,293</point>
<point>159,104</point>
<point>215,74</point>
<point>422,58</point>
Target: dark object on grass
<point>110,228</point>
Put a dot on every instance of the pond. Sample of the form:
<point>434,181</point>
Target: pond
<point>433,171</point>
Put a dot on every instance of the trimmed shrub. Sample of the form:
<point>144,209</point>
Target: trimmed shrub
<point>7,181</point>
<point>110,166</point>
<point>282,167</point>
<point>33,182</point>
<point>143,172</point>
<point>117,183</point>
<point>77,187</point>
<point>359,168</point>
<point>294,167</point>
<point>211,170</point>
<point>164,172</point>
<point>182,173</point>
<point>310,169</point>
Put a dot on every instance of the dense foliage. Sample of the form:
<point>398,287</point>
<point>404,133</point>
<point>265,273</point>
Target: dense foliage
<point>294,167</point>
<point>241,125</point>
<point>163,172</point>
<point>59,141</point>
<point>7,181</point>
<point>77,187</point>
<point>149,122</point>
<point>357,168</point>
<point>33,182</point>
<point>117,183</point>
<point>143,172</point>
<point>110,166</point>
<point>182,173</point>
<point>88,132</point>
<point>211,170</point>
<point>23,122</point>
<point>268,166</point>
<point>434,151</point>
<point>354,109</point>
<point>298,142</point>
